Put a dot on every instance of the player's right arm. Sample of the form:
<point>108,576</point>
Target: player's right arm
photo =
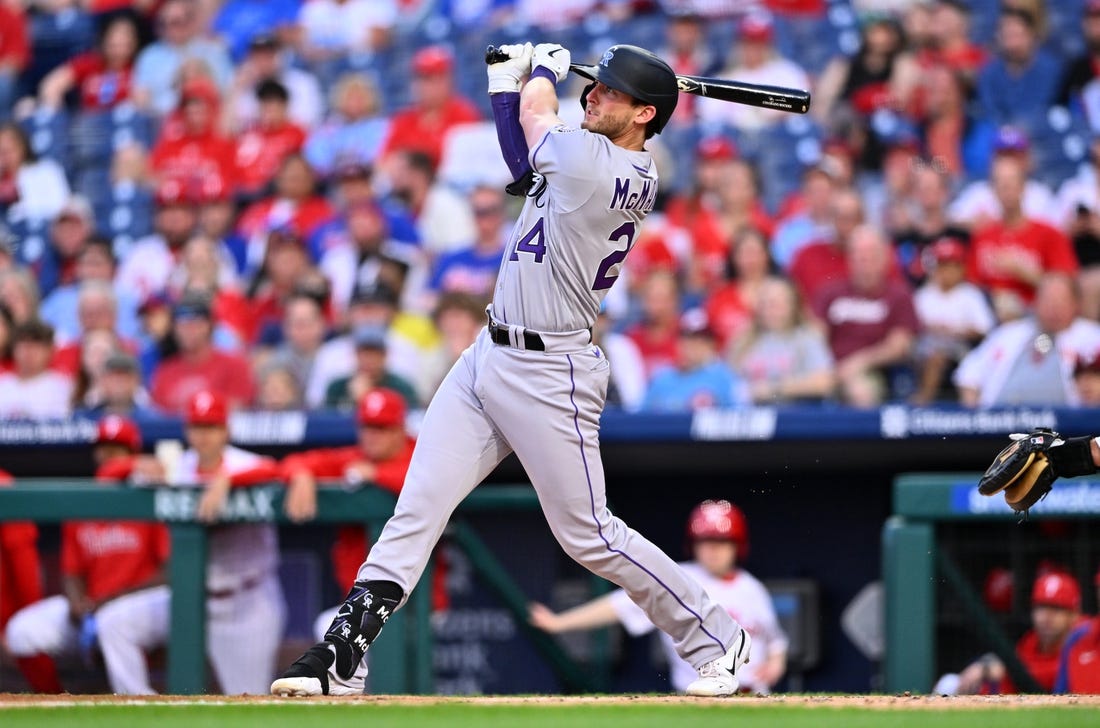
<point>538,100</point>
<point>599,612</point>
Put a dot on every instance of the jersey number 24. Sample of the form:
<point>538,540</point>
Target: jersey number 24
<point>534,242</point>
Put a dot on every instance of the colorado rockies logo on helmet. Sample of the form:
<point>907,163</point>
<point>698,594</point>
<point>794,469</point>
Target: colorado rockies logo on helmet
<point>607,56</point>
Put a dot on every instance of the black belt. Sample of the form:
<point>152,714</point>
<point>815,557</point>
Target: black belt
<point>499,335</point>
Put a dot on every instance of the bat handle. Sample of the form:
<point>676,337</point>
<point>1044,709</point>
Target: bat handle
<point>494,55</point>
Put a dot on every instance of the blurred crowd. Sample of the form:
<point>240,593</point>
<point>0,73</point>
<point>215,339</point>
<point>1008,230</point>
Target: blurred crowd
<point>291,202</point>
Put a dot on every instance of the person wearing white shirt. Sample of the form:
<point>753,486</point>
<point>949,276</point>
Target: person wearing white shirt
<point>331,28</point>
<point>954,314</point>
<point>1031,360</point>
<point>718,535</point>
<point>265,60</point>
<point>32,390</point>
<point>977,203</point>
<point>758,63</point>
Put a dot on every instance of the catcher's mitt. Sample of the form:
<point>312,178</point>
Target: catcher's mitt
<point>1027,468</point>
<point>1022,470</point>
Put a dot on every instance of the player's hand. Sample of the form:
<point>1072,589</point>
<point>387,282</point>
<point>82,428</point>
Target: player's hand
<point>147,469</point>
<point>542,617</point>
<point>554,57</point>
<point>213,499</point>
<point>357,474</point>
<point>507,76</point>
<point>301,499</point>
<point>80,608</point>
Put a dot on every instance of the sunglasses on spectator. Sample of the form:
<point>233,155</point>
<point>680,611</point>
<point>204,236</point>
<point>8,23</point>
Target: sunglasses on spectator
<point>488,211</point>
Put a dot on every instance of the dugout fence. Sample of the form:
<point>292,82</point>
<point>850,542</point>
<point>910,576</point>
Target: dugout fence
<point>941,549</point>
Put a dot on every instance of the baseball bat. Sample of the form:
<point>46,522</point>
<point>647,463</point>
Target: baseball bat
<point>794,100</point>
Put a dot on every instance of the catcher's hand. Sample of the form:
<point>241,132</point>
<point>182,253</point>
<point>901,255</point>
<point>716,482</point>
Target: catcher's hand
<point>1026,470</point>
<point>507,75</point>
<point>554,57</point>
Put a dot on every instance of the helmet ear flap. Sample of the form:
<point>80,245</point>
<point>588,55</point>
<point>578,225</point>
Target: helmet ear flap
<point>584,95</point>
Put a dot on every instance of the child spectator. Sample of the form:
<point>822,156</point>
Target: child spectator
<point>954,316</point>
<point>699,379</point>
<point>32,390</point>
<point>262,147</point>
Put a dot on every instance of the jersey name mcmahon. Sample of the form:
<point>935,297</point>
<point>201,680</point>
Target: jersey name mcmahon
<point>576,227</point>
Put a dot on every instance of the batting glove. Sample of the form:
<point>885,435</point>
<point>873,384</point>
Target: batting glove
<point>508,75</point>
<point>552,57</point>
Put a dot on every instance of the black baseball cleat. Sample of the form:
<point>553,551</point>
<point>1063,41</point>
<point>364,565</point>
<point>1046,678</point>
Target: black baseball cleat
<point>314,673</point>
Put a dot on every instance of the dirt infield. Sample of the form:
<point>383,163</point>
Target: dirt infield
<point>885,702</point>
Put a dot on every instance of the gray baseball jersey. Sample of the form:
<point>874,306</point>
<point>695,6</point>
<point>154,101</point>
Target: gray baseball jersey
<point>575,230</point>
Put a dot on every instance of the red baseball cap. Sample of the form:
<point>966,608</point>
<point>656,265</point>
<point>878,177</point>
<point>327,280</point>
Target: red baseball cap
<point>948,250</point>
<point>116,430</point>
<point>715,148</point>
<point>176,191</point>
<point>432,60</point>
<point>207,408</point>
<point>381,407</point>
<point>200,89</point>
<point>756,26</point>
<point>1056,590</point>
<point>997,589</point>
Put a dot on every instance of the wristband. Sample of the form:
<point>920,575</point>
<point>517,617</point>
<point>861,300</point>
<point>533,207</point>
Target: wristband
<point>1073,458</point>
<point>544,72</point>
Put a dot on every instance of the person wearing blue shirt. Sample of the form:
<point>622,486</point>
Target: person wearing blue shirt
<point>1021,82</point>
<point>474,269</point>
<point>239,20</point>
<point>700,378</point>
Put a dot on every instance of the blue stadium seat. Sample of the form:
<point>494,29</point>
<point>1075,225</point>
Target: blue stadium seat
<point>48,132</point>
<point>90,139</point>
<point>55,38</point>
<point>125,216</point>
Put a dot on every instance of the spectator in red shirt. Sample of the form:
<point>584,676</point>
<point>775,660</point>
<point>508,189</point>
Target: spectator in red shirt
<point>295,204</point>
<point>102,75</point>
<point>21,584</point>
<point>197,365</point>
<point>951,43</point>
<point>1055,611</point>
<point>286,269</point>
<point>1009,256</point>
<point>14,53</point>
<point>823,263</point>
<point>436,107</point>
<point>723,201</point>
<point>192,148</point>
<point>732,305</point>
<point>1078,672</point>
<point>265,144</point>
<point>101,562</point>
<point>657,334</point>
<point>869,320</point>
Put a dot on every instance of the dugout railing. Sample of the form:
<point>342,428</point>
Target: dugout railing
<point>405,647</point>
<point>936,546</point>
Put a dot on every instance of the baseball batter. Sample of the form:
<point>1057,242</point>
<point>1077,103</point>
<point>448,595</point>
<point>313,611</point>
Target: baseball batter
<point>533,382</point>
<point>718,537</point>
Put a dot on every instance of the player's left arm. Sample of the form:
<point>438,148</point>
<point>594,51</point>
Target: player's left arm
<point>538,100</point>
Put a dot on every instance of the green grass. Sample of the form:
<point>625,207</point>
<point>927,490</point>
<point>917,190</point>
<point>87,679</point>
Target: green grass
<point>365,715</point>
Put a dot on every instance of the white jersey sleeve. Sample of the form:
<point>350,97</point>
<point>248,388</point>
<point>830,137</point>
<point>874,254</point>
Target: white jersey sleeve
<point>576,228</point>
